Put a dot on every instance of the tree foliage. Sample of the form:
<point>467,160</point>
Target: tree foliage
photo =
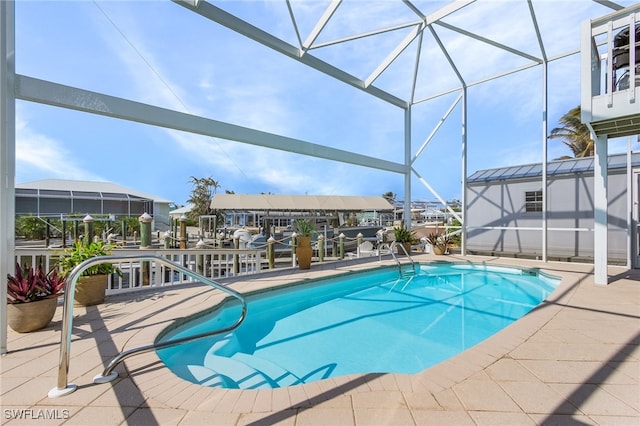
<point>574,134</point>
<point>201,195</point>
<point>390,197</point>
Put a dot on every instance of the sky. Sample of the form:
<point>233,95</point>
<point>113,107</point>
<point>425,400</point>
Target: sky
<point>160,53</point>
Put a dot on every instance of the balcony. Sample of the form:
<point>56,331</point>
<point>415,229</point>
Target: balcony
<point>611,73</point>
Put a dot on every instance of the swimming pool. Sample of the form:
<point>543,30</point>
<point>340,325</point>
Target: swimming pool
<point>376,321</point>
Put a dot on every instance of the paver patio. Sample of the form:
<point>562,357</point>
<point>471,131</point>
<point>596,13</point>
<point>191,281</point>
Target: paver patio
<point>573,360</point>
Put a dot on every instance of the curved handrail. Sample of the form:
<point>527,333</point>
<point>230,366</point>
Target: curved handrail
<point>63,387</point>
<point>404,249</point>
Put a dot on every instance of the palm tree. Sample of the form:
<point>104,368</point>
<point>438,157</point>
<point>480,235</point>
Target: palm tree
<point>575,135</point>
<point>389,196</point>
<point>201,195</point>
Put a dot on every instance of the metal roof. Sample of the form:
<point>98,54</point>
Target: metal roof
<point>101,189</point>
<point>558,167</point>
<point>270,202</point>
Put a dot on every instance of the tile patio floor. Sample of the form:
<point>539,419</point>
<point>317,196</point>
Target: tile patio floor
<point>574,360</point>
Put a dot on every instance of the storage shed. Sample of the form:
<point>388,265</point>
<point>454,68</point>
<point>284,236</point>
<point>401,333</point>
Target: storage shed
<point>505,210</point>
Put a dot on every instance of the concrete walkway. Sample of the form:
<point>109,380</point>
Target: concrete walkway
<point>573,360</point>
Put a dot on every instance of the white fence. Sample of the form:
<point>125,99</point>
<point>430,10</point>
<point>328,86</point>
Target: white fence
<point>136,275</point>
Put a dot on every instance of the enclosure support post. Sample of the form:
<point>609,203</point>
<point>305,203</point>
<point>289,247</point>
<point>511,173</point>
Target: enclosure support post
<point>600,202</point>
<point>463,201</point>
<point>407,172</point>
<point>544,162</point>
<point>7,155</point>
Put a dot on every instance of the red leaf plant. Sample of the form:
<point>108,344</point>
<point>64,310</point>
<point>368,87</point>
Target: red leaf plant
<point>29,285</point>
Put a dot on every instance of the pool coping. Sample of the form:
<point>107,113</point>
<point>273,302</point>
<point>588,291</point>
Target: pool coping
<point>483,385</point>
<point>433,379</point>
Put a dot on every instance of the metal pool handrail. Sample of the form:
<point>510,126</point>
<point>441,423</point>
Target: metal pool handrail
<point>404,249</point>
<point>65,388</point>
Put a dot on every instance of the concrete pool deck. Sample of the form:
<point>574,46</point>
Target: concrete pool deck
<point>573,360</point>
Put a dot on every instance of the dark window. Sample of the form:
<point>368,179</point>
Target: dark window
<point>533,201</point>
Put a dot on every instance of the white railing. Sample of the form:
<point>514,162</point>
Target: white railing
<point>137,275</point>
<point>610,67</point>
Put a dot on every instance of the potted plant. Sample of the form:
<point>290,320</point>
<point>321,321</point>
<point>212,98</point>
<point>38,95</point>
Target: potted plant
<point>305,229</point>
<point>32,297</point>
<point>439,243</point>
<point>92,284</point>
<point>405,237</point>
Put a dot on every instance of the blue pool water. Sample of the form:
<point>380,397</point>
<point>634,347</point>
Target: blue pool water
<point>377,321</point>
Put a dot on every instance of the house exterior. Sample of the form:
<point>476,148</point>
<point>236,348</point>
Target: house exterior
<point>505,210</point>
<point>59,197</point>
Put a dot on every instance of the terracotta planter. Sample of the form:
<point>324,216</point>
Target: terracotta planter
<point>438,250</point>
<point>90,290</point>
<point>304,252</point>
<point>407,247</point>
<point>32,316</point>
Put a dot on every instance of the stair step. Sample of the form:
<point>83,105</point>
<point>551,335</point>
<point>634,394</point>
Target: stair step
<point>279,376</point>
<point>205,376</point>
<point>237,374</point>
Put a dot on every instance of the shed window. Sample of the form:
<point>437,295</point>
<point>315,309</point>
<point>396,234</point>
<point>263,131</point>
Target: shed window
<point>533,201</point>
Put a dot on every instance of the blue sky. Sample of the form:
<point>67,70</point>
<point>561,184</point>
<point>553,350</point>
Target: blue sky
<point>162,54</point>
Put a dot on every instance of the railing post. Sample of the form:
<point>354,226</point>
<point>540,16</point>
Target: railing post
<point>47,237</point>
<point>145,243</point>
<point>124,232</point>
<point>294,243</point>
<point>321,248</point>
<point>271,243</point>
<point>183,232</point>
<point>236,257</point>
<point>200,245</point>
<point>341,238</point>
<point>88,229</point>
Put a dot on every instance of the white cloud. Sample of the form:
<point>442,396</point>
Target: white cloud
<point>39,155</point>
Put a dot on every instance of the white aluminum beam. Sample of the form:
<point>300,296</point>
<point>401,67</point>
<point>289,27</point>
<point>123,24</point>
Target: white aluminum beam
<point>393,55</point>
<point>495,76</point>
<point>463,220</point>
<point>435,194</point>
<point>545,184</point>
<point>416,69</point>
<point>609,4</point>
<point>600,203</point>
<point>446,10</point>
<point>407,171</point>
<point>322,22</point>
<point>294,23</point>
<point>215,14</point>
<point>436,128</point>
<point>489,41</point>
<point>7,157</point>
<point>365,34</point>
<point>45,92</point>
<point>536,27</point>
<point>545,132</point>
<point>452,63</point>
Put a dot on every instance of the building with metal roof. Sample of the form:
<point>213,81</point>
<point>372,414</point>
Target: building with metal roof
<point>505,210</point>
<point>61,197</point>
<point>271,202</point>
<point>250,209</point>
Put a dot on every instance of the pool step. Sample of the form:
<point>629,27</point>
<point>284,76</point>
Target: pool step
<point>243,371</point>
<point>236,374</point>
<point>278,375</point>
<point>205,376</point>
<point>226,346</point>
